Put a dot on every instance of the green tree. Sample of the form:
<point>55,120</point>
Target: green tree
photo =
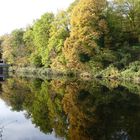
<point>123,18</point>
<point>17,37</point>
<point>58,33</point>
<point>41,32</point>
<point>28,38</point>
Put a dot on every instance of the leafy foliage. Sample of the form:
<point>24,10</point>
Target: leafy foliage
<point>41,32</point>
<point>87,27</point>
<point>89,36</point>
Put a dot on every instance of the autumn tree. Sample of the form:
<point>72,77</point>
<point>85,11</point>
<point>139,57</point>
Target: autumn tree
<point>7,51</point>
<point>88,33</point>
<point>20,50</point>
<point>13,47</point>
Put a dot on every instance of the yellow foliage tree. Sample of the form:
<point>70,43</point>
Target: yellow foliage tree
<point>88,33</point>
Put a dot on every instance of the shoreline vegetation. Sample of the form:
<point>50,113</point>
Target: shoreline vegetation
<point>111,84</point>
<point>91,39</point>
<point>111,73</point>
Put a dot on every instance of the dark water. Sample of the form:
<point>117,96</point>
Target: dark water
<point>35,109</point>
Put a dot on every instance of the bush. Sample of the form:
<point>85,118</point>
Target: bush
<point>110,72</point>
<point>132,71</point>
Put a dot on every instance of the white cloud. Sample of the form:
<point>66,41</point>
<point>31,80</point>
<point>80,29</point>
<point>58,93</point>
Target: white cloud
<point>19,13</point>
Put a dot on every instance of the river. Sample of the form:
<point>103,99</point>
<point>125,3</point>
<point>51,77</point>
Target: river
<point>68,109</point>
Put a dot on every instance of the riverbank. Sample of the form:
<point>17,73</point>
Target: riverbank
<point>110,83</point>
<point>43,73</point>
<point>130,73</point>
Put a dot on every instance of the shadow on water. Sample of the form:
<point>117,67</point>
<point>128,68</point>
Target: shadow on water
<point>77,110</point>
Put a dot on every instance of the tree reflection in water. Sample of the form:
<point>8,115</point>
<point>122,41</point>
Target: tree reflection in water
<point>76,110</point>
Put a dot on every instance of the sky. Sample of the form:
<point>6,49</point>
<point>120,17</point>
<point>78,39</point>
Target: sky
<point>16,14</point>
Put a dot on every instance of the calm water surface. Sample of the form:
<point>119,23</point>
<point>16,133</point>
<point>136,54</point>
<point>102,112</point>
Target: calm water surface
<point>35,109</point>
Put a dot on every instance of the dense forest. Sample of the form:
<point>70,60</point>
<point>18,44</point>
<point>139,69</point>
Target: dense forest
<point>99,37</point>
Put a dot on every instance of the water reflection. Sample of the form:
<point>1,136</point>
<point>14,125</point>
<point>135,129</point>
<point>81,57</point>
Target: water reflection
<point>73,110</point>
<point>14,126</point>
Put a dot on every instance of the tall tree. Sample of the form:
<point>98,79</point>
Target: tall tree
<point>28,38</point>
<point>123,18</point>
<point>58,33</point>
<point>41,31</point>
<point>88,30</point>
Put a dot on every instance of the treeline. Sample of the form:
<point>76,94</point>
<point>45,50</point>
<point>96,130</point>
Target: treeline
<point>39,44</point>
<point>89,36</point>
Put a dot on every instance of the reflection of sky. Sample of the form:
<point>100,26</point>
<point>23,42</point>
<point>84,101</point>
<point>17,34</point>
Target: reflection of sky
<point>17,127</point>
